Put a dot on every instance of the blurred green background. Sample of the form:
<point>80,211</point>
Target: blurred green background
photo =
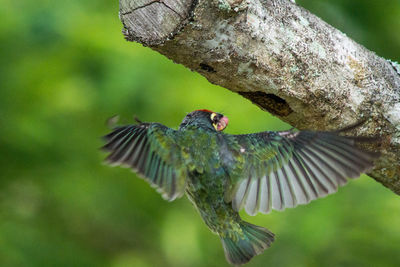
<point>65,68</point>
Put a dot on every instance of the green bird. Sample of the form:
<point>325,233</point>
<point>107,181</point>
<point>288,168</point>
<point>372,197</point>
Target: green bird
<point>222,173</point>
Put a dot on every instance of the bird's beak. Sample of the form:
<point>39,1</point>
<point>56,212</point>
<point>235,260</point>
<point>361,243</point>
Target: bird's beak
<point>222,123</point>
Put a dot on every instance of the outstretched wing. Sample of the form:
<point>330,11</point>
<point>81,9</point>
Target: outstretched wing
<point>275,170</point>
<point>150,149</point>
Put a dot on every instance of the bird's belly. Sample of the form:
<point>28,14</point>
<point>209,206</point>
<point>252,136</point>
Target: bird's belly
<point>207,194</point>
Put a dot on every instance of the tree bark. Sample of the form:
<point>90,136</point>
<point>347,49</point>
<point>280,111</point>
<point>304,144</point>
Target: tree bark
<point>284,59</point>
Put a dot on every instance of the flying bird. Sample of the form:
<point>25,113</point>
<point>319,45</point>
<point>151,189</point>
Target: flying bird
<point>223,173</point>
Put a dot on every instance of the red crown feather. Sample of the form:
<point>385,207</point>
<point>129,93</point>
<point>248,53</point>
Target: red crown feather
<point>205,110</point>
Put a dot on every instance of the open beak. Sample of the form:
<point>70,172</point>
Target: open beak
<point>223,122</point>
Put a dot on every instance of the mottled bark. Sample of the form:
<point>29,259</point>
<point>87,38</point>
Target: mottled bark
<point>284,59</point>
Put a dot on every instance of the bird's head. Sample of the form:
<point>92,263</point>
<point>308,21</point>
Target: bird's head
<point>205,118</point>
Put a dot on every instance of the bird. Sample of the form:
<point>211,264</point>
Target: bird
<point>222,174</point>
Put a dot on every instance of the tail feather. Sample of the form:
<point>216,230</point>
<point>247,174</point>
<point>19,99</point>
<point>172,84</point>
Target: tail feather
<point>256,239</point>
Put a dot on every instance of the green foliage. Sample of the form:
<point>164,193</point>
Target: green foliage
<point>65,68</point>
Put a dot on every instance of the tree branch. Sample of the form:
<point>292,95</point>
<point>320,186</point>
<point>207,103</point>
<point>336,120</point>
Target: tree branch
<point>284,59</point>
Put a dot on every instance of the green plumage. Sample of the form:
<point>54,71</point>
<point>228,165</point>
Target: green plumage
<point>222,173</point>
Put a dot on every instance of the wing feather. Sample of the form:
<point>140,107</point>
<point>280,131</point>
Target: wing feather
<point>265,195</point>
<point>251,201</point>
<point>277,201</point>
<point>282,170</point>
<point>151,150</point>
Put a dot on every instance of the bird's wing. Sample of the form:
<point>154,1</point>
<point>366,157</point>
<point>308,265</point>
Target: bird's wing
<point>152,150</point>
<point>276,170</point>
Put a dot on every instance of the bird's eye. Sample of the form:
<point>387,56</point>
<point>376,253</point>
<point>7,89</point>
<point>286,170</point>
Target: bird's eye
<point>213,115</point>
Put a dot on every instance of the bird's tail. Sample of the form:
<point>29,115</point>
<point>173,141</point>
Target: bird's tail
<point>255,240</point>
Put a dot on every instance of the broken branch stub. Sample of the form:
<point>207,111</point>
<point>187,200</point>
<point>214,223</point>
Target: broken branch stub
<point>152,22</point>
<point>284,59</point>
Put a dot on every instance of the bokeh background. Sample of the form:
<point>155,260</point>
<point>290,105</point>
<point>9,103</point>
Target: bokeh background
<point>65,68</point>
